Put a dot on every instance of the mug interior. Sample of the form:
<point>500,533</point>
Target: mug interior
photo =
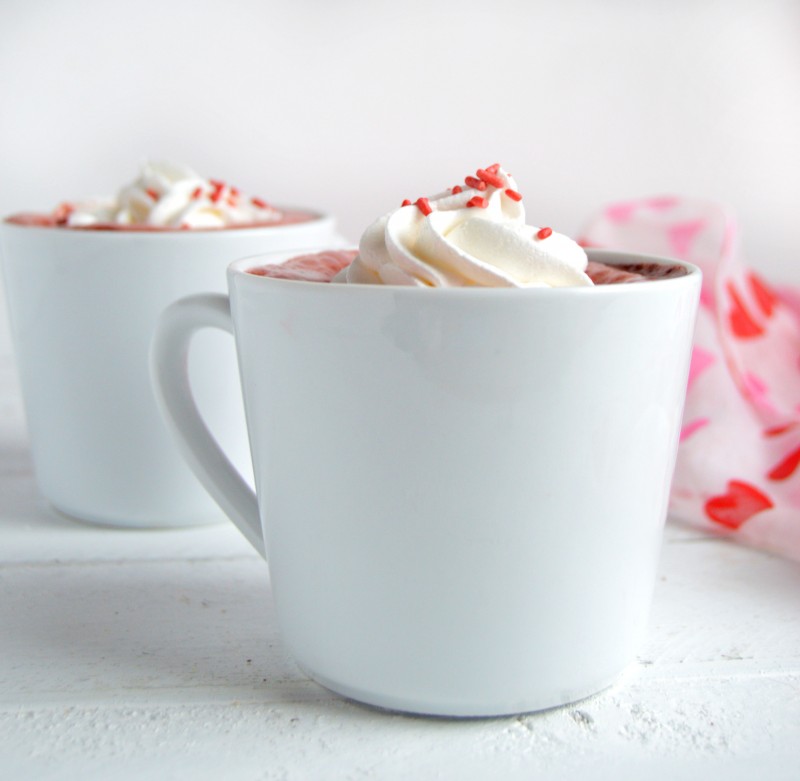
<point>608,257</point>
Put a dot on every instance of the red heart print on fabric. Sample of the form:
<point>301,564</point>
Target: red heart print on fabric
<point>682,235</point>
<point>693,426</point>
<point>765,298</point>
<point>701,360</point>
<point>662,202</point>
<point>742,324</point>
<point>741,502</point>
<point>621,212</point>
<point>786,467</point>
<point>776,431</point>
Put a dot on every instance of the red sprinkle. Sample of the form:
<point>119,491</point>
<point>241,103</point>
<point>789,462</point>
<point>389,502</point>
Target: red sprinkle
<point>456,190</point>
<point>475,184</point>
<point>232,200</point>
<point>489,177</point>
<point>513,194</point>
<point>217,194</point>
<point>61,214</point>
<point>423,205</point>
<point>476,200</point>
<point>216,183</point>
<point>543,233</point>
<point>198,191</point>
<point>406,202</point>
<point>494,168</point>
<point>152,193</point>
<point>235,191</point>
<point>259,203</point>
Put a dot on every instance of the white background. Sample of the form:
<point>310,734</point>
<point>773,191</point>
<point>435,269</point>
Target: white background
<point>352,106</point>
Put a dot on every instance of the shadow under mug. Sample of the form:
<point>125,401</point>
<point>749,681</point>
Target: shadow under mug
<point>83,305</point>
<point>461,492</point>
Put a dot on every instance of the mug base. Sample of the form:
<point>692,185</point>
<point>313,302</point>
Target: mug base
<point>464,708</point>
<point>125,522</point>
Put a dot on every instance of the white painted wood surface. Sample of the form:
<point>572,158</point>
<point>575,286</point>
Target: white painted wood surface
<point>154,654</point>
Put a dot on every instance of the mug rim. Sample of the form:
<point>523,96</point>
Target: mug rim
<point>315,218</point>
<point>239,269</point>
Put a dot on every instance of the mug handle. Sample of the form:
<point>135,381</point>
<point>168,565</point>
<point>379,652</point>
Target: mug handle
<point>169,357</point>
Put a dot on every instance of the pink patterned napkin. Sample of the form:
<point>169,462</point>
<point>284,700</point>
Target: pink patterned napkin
<point>738,468</point>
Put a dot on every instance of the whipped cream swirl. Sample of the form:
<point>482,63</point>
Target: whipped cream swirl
<point>473,235</point>
<point>167,195</point>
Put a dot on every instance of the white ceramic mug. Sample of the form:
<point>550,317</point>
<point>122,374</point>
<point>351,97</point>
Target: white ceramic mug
<point>83,305</point>
<point>461,491</point>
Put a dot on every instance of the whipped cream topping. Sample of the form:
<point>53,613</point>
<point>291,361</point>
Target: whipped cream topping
<point>473,235</point>
<point>168,195</point>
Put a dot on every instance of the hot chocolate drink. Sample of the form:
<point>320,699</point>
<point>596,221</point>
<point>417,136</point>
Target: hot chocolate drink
<point>85,285</point>
<point>604,274</point>
<point>469,448</point>
<point>167,197</point>
<point>324,267</point>
<point>466,236</point>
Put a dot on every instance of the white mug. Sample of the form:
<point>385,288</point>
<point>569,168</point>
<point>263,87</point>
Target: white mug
<point>83,305</point>
<point>461,492</point>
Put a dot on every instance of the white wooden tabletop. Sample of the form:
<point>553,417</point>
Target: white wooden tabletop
<point>154,654</point>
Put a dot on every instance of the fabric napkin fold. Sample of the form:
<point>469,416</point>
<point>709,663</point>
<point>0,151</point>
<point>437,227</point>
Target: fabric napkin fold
<point>738,467</point>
